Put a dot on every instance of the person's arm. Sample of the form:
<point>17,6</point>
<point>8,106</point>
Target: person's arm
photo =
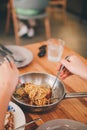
<point>73,66</point>
<point>8,82</point>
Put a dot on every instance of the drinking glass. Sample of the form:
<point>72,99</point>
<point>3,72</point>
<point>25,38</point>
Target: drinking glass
<point>55,49</point>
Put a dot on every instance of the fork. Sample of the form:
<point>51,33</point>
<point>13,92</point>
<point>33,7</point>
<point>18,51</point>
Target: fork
<point>26,124</point>
<point>4,54</point>
<point>62,67</point>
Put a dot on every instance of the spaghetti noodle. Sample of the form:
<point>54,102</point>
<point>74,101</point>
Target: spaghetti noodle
<point>34,94</point>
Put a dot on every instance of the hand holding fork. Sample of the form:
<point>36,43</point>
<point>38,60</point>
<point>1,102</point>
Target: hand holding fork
<point>5,52</point>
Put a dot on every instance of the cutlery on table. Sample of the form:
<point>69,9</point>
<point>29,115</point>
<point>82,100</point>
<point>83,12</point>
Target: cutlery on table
<point>6,52</point>
<point>26,124</point>
<point>4,55</point>
<point>6,49</point>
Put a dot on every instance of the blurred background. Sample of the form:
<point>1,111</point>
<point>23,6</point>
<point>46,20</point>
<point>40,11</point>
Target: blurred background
<point>70,24</point>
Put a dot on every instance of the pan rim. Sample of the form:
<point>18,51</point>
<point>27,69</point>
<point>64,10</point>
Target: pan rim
<point>43,106</point>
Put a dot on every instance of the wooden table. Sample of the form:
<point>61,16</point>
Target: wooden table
<point>73,108</point>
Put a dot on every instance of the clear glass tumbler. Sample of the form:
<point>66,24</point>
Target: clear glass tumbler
<point>55,49</point>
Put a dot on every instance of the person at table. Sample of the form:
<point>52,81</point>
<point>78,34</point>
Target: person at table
<point>73,66</point>
<point>8,81</point>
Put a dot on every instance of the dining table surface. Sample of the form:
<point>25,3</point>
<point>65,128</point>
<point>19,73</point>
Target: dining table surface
<point>73,108</point>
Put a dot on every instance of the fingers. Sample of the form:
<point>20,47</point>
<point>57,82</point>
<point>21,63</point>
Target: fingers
<point>65,63</point>
<point>13,66</point>
<point>5,63</point>
<point>59,67</point>
<point>10,65</point>
<point>65,74</point>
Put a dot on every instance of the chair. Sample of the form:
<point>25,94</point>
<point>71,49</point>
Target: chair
<point>56,3</point>
<point>12,7</point>
<point>58,6</point>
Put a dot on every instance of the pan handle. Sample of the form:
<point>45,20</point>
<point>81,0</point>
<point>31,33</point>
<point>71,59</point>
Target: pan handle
<point>75,95</point>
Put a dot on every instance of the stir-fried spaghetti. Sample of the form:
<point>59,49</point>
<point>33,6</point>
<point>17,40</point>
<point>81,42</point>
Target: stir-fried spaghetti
<point>34,94</point>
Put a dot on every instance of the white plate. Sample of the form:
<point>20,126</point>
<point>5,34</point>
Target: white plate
<point>62,124</point>
<point>21,52</point>
<point>19,117</point>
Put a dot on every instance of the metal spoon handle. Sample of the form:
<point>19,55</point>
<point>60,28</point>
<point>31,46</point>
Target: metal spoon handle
<point>28,123</point>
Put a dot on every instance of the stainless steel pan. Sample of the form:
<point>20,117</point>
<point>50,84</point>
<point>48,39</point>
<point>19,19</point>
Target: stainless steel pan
<point>59,91</point>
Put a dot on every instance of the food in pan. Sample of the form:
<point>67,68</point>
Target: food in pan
<point>34,94</point>
<point>9,121</point>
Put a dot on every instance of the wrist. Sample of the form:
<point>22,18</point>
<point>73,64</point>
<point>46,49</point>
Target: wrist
<point>6,89</point>
<point>5,95</point>
<point>84,73</point>
<point>85,76</point>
